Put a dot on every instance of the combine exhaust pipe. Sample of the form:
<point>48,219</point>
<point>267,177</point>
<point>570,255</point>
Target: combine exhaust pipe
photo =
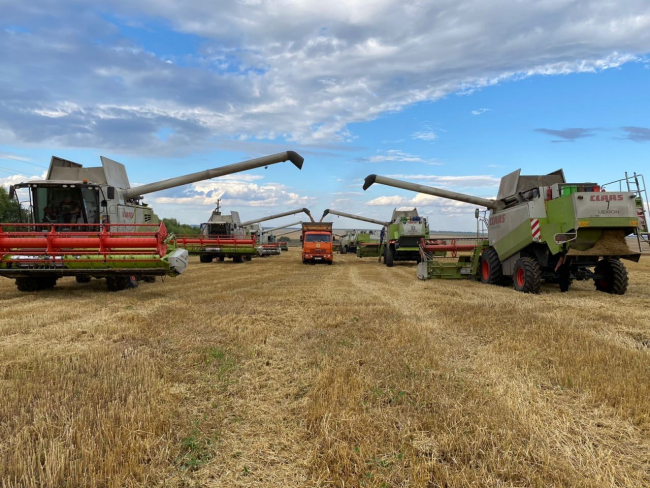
<point>292,156</point>
<point>430,190</point>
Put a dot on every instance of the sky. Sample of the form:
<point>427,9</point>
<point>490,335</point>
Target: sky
<point>452,93</point>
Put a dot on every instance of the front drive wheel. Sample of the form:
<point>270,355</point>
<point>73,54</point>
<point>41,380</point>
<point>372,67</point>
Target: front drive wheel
<point>35,284</point>
<point>528,276</point>
<point>389,255</point>
<point>613,277</point>
<point>117,283</point>
<point>491,271</point>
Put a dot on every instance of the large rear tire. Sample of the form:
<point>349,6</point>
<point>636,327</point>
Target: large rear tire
<point>491,271</point>
<point>389,256</point>
<point>528,276</point>
<point>614,277</point>
<point>205,258</point>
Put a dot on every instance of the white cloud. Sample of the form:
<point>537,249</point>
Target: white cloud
<point>388,201</point>
<point>304,71</point>
<point>396,155</point>
<point>480,111</point>
<point>14,156</point>
<point>233,194</point>
<point>425,135</point>
<point>474,181</point>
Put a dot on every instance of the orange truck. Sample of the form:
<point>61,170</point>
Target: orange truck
<point>317,242</point>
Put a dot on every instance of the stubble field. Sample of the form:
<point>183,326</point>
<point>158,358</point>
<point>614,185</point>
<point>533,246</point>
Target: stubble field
<point>273,373</point>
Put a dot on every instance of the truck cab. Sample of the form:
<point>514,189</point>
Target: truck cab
<point>317,245</point>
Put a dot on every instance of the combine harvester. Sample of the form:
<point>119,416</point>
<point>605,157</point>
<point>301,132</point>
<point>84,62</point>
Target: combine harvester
<point>221,237</point>
<point>363,243</point>
<point>541,228</point>
<point>225,236</point>
<point>89,222</point>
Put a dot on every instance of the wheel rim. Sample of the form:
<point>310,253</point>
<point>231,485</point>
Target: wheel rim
<point>485,270</point>
<point>603,283</point>
<point>521,277</point>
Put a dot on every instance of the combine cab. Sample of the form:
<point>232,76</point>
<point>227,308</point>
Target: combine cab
<point>90,222</point>
<point>364,243</point>
<point>542,228</point>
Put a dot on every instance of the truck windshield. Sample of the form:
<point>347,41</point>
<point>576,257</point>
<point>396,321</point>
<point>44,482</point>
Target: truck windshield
<point>318,238</point>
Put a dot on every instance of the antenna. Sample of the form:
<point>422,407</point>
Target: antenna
<point>218,209</point>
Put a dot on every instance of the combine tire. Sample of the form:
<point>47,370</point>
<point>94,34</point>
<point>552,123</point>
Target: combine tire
<point>344,250</point>
<point>237,259</point>
<point>221,259</point>
<point>389,256</point>
<point>204,258</point>
<point>491,271</point>
<point>613,277</point>
<point>248,258</point>
<point>35,284</point>
<point>117,283</point>
<point>528,276</point>
<point>83,279</point>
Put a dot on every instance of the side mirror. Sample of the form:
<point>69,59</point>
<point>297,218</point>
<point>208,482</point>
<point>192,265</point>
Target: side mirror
<point>12,192</point>
<point>476,213</point>
<point>110,193</point>
<point>104,203</point>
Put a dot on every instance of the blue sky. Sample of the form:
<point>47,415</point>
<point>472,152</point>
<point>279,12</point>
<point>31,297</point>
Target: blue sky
<point>452,95</point>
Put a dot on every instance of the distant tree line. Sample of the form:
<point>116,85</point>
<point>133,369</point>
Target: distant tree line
<point>175,227</point>
<point>10,210</point>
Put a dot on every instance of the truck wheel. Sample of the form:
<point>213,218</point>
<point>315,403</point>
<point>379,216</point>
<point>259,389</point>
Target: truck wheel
<point>528,276</point>
<point>204,258</point>
<point>82,279</point>
<point>389,256</point>
<point>117,283</point>
<point>491,271</point>
<point>613,277</point>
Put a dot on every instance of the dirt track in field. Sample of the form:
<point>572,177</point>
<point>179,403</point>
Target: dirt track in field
<point>273,373</point>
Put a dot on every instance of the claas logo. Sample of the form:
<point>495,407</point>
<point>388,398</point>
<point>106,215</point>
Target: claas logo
<point>497,219</point>
<point>605,197</point>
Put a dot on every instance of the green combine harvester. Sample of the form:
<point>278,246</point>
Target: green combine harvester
<point>541,228</point>
<point>90,223</point>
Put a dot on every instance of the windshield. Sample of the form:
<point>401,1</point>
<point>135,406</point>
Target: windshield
<point>318,238</point>
<point>66,205</point>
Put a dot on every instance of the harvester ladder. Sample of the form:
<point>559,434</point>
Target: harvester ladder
<point>636,184</point>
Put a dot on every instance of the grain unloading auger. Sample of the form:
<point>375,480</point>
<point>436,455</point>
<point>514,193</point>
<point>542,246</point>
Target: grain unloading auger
<point>541,228</point>
<point>89,222</point>
<point>363,243</point>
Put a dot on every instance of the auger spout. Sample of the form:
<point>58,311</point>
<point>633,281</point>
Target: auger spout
<point>292,156</point>
<point>430,190</point>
